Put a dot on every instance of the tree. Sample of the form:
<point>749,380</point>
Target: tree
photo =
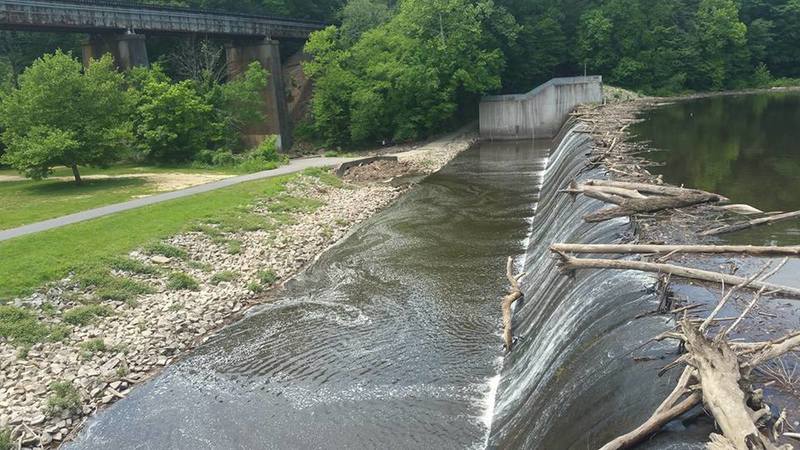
<point>721,42</point>
<point>62,115</point>
<point>359,16</point>
<point>406,78</point>
<point>172,121</point>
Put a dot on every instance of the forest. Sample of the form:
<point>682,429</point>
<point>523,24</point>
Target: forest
<point>400,70</point>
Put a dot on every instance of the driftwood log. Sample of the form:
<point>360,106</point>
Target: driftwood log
<point>514,294</point>
<point>719,375</point>
<point>652,188</point>
<point>675,249</point>
<point>751,223</point>
<point>569,263</point>
<point>632,206</point>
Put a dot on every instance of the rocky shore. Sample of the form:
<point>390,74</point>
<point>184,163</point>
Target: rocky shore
<point>48,390</point>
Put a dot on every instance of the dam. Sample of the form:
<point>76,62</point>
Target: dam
<point>391,339</point>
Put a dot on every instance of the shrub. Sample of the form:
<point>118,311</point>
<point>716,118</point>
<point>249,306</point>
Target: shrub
<point>160,248</point>
<point>179,281</point>
<point>84,315</point>
<point>64,398</point>
<point>172,120</point>
<point>255,287</point>
<point>224,276</point>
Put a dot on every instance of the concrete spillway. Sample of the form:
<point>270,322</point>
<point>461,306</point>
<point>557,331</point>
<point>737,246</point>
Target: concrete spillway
<point>539,113</point>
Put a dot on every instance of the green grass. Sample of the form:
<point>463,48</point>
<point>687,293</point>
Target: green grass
<point>124,169</point>
<point>64,398</point>
<point>29,201</point>
<point>30,261</point>
<point>109,287</point>
<point>224,276</point>
<point>179,281</point>
<point>130,265</point>
<point>325,175</point>
<point>267,277</point>
<point>6,443</point>
<point>84,315</point>
<point>92,347</point>
<point>160,248</point>
<point>21,326</point>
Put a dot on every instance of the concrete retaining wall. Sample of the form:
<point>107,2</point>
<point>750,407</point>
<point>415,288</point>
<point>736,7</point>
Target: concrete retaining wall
<point>541,112</point>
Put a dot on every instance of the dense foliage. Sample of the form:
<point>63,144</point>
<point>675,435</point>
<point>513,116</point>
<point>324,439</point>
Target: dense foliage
<point>400,77</point>
<point>60,114</point>
<point>405,77</point>
<point>400,69</point>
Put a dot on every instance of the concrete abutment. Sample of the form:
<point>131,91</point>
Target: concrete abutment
<point>239,55</point>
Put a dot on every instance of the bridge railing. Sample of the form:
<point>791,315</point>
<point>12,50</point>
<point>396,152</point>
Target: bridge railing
<point>153,5</point>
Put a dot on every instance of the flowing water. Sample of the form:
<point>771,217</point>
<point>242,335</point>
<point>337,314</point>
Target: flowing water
<point>390,340</point>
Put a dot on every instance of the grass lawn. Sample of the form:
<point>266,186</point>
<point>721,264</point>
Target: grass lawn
<point>30,261</point>
<point>121,169</point>
<point>24,202</point>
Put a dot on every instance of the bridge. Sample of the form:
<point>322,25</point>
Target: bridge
<point>120,28</point>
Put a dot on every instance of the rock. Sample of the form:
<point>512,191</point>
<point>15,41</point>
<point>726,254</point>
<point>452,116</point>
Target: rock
<point>38,420</point>
<point>158,259</point>
<point>45,439</point>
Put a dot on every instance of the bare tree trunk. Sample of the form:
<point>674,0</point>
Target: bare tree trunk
<point>76,174</point>
<point>570,263</point>
<point>719,374</point>
<point>632,206</point>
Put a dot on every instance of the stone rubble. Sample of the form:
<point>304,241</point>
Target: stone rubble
<point>144,336</point>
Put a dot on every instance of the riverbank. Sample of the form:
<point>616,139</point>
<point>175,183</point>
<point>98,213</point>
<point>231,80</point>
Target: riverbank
<point>625,159</point>
<point>101,346</point>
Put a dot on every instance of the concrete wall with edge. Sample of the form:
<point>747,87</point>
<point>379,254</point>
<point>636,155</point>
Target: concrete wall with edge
<point>541,112</point>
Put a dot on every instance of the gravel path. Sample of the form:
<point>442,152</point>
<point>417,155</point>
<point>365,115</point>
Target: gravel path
<point>295,165</point>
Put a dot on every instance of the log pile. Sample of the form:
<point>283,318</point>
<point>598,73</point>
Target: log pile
<point>717,372</point>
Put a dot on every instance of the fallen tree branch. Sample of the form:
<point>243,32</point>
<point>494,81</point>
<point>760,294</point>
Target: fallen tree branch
<point>571,263</point>
<point>652,188</point>
<point>514,294</point>
<point>756,297</point>
<point>719,374</point>
<point>667,249</point>
<point>751,223</point>
<point>632,206</point>
<point>670,409</point>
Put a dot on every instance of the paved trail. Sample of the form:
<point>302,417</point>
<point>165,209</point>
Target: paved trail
<point>295,165</point>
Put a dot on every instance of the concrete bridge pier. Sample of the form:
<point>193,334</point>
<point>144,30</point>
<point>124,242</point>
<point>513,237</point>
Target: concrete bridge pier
<point>239,54</point>
<point>128,49</point>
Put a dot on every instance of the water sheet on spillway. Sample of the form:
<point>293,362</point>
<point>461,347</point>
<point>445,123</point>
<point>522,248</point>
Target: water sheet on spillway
<point>390,340</point>
<point>572,382</point>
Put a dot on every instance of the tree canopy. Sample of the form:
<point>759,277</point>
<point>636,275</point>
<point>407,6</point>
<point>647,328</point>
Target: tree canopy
<point>63,115</point>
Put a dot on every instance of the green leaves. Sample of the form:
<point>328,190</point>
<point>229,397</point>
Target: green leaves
<point>405,78</point>
<point>60,115</point>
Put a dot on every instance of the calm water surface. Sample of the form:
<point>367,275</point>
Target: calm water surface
<point>746,147</point>
<point>389,341</point>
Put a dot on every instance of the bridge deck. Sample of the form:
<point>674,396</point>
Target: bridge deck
<point>107,15</point>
